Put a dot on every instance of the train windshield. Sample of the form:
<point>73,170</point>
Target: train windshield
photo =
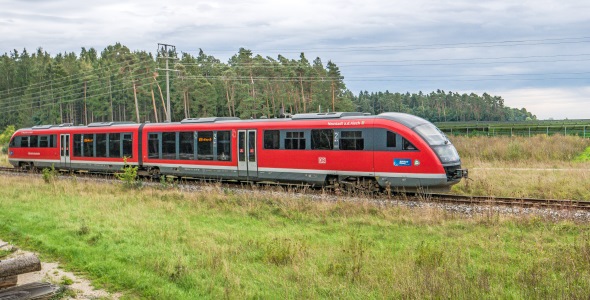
<point>432,135</point>
<point>439,142</point>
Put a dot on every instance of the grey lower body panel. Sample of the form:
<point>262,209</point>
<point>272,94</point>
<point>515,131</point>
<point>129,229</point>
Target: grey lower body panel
<point>313,177</point>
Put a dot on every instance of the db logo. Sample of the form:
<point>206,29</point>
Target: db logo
<point>321,160</point>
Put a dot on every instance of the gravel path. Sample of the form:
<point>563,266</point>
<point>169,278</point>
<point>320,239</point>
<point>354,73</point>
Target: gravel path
<point>51,272</point>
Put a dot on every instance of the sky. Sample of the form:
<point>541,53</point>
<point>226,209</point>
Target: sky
<point>534,54</point>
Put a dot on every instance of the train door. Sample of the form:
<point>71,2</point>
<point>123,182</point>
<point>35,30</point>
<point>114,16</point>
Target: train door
<point>64,150</point>
<point>247,154</point>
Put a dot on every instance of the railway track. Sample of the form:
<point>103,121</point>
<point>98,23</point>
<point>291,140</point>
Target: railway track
<point>428,197</point>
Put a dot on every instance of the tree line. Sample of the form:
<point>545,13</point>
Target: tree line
<point>118,84</point>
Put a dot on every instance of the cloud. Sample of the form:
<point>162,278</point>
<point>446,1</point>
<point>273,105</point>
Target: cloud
<point>426,34</point>
<point>545,103</point>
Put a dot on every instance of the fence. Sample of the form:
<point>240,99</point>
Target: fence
<point>519,130</point>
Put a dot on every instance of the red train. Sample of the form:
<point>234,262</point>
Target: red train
<point>321,149</point>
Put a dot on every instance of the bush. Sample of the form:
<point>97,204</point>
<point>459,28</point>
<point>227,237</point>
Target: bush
<point>6,135</point>
<point>49,174</point>
<point>128,176</point>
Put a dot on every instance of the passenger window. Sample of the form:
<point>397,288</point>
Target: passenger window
<point>352,140</point>
<point>322,139</point>
<point>205,145</point>
<point>44,141</point>
<point>407,145</point>
<point>391,139</point>
<point>223,145</point>
<point>33,141</point>
<point>114,145</point>
<point>52,141</point>
<point>88,145</point>
<point>272,139</point>
<point>77,145</point>
<point>101,145</point>
<point>127,145</point>
<point>187,145</point>
<point>24,141</point>
<point>295,140</point>
<point>153,145</point>
<point>168,145</point>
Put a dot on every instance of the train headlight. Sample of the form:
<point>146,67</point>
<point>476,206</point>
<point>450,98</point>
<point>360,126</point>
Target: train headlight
<point>446,153</point>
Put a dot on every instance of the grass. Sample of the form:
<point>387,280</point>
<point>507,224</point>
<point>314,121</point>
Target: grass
<point>167,244</point>
<point>550,167</point>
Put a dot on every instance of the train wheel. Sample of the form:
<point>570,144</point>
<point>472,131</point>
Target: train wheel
<point>155,173</point>
<point>27,166</point>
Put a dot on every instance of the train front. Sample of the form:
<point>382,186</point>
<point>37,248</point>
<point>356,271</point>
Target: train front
<point>444,149</point>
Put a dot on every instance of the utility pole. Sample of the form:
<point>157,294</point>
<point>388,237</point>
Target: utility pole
<point>165,50</point>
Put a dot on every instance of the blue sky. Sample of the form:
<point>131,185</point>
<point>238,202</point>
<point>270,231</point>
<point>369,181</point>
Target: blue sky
<point>535,54</point>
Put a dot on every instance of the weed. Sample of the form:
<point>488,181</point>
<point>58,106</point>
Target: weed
<point>65,280</point>
<point>167,182</point>
<point>4,253</point>
<point>129,176</point>
<point>428,256</point>
<point>50,174</point>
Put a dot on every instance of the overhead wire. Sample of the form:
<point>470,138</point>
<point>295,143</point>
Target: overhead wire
<point>71,85</point>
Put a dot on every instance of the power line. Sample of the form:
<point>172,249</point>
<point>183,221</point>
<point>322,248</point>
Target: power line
<point>549,41</point>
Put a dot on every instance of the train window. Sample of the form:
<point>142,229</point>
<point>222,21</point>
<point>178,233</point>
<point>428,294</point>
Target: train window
<point>52,141</point>
<point>24,141</point>
<point>168,145</point>
<point>88,145</point>
<point>114,145</point>
<point>33,141</point>
<point>322,139</point>
<point>295,140</point>
<point>352,140</point>
<point>153,145</point>
<point>391,139</point>
<point>205,145</point>
<point>127,145</point>
<point>406,145</point>
<point>223,145</point>
<point>12,142</point>
<point>251,145</point>
<point>101,145</point>
<point>272,139</point>
<point>187,145</point>
<point>44,141</point>
<point>77,145</point>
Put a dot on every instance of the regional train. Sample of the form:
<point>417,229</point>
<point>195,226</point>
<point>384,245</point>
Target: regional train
<point>389,150</point>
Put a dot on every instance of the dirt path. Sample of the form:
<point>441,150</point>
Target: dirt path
<point>51,272</point>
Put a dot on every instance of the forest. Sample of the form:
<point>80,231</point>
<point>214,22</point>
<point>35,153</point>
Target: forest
<point>118,84</point>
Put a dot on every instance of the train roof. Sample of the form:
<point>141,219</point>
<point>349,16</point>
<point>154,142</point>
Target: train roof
<point>408,120</point>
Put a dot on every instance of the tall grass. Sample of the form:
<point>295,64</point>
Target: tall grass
<point>541,166</point>
<point>539,148</point>
<point>169,244</point>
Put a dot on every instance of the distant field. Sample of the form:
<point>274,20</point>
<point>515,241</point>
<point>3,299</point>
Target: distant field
<point>551,167</point>
<point>579,128</point>
<point>168,244</point>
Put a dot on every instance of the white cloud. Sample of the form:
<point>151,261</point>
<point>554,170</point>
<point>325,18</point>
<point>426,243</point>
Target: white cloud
<point>330,28</point>
<point>545,103</point>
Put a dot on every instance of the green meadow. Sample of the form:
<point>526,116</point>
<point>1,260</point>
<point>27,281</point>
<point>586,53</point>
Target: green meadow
<point>162,243</point>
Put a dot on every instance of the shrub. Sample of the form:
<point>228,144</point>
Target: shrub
<point>49,174</point>
<point>128,176</point>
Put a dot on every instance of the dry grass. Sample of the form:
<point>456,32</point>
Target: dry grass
<point>536,149</point>
<point>536,167</point>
